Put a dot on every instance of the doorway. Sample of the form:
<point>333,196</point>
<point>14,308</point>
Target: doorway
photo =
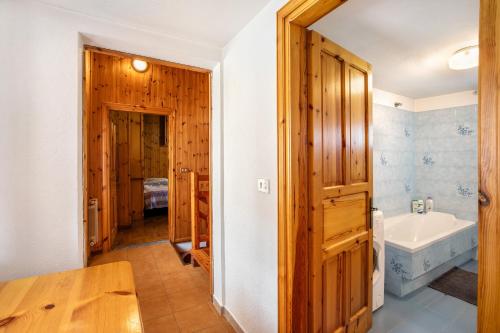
<point>177,99</point>
<point>295,175</point>
<point>138,177</point>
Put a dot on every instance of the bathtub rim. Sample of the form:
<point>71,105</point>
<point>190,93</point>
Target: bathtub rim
<point>435,239</point>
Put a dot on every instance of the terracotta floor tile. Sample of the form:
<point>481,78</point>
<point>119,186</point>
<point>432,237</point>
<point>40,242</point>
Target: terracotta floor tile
<point>155,307</point>
<point>172,296</point>
<point>185,299</point>
<point>165,324</point>
<point>149,286</point>
<point>221,327</point>
<point>149,229</point>
<point>109,257</point>
<point>140,253</point>
<point>200,317</point>
<point>173,283</point>
<point>200,279</point>
<point>162,251</point>
<point>145,267</point>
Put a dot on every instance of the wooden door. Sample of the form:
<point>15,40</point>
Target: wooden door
<point>136,161</point>
<point>123,168</point>
<point>340,188</point>
<point>489,174</point>
<point>113,180</point>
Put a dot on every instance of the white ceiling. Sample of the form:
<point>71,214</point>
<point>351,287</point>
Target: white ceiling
<point>212,22</point>
<point>408,42</point>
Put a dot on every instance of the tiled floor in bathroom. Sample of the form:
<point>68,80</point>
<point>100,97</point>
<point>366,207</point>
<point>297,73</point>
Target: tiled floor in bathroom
<point>426,311</point>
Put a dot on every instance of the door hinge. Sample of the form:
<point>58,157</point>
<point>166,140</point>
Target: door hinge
<point>372,209</point>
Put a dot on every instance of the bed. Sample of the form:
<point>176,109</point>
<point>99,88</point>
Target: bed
<point>155,193</point>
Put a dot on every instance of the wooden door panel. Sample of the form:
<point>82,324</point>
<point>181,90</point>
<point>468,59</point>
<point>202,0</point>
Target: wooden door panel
<point>340,187</point>
<point>332,114</point>
<point>123,169</point>
<point>357,259</point>
<point>183,209</point>
<point>334,293</point>
<point>344,217</point>
<point>358,120</point>
<point>113,196</point>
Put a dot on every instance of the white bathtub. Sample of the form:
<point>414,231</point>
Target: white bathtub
<point>413,232</point>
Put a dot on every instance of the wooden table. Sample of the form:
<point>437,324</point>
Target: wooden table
<point>95,299</point>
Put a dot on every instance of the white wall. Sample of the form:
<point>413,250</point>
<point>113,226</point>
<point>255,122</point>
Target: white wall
<point>382,97</point>
<point>40,130</point>
<point>457,99</point>
<point>40,144</point>
<point>250,152</point>
<point>462,98</point>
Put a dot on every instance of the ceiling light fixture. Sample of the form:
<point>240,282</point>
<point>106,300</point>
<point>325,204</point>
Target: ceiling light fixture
<point>465,58</point>
<point>140,65</point>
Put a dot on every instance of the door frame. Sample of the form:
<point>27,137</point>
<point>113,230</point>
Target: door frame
<point>169,112</point>
<point>292,20</point>
<point>106,160</point>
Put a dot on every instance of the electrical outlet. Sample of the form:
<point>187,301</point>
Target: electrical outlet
<point>263,185</point>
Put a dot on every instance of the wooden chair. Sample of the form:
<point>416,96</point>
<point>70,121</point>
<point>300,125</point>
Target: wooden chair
<point>200,221</point>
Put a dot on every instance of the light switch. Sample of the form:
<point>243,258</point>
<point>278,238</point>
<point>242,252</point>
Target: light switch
<point>263,185</point>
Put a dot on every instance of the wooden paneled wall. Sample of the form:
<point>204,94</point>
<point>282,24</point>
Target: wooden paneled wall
<point>113,80</point>
<point>155,155</point>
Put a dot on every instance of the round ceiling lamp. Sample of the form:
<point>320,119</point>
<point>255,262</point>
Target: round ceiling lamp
<point>465,58</point>
<point>140,65</point>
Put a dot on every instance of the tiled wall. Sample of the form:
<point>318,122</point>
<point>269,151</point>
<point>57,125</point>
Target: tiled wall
<point>431,153</point>
<point>393,159</point>
<point>446,160</point>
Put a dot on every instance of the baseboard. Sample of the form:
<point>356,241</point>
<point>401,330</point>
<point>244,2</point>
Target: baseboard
<point>217,306</point>
<point>228,315</point>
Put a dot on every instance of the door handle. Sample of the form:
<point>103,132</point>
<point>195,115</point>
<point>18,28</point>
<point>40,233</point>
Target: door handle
<point>483,198</point>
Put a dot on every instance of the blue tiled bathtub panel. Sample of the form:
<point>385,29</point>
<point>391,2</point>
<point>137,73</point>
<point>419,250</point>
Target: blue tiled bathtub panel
<point>406,272</point>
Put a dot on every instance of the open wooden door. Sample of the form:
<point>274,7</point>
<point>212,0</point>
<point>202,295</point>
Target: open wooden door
<point>489,164</point>
<point>340,187</point>
<point>113,179</point>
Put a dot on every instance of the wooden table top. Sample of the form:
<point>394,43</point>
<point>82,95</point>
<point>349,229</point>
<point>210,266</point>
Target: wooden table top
<point>95,299</point>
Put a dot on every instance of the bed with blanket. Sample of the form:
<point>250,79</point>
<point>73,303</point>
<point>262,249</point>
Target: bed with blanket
<point>155,193</point>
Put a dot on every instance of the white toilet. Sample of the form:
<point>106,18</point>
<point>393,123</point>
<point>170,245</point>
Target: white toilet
<point>378,259</point>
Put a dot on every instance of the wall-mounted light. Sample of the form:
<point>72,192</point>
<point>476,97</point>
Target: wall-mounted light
<point>465,58</point>
<point>140,65</point>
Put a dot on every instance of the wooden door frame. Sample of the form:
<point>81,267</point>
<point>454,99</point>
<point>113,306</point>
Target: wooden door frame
<point>87,98</point>
<point>292,20</point>
<point>106,161</point>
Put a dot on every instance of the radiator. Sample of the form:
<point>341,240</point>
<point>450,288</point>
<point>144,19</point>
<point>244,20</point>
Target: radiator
<point>93,221</point>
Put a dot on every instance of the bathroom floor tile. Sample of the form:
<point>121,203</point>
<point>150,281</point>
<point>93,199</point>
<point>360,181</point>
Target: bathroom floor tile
<point>425,310</point>
<point>465,323</point>
<point>447,307</point>
<point>425,297</point>
<point>470,266</point>
<point>385,320</point>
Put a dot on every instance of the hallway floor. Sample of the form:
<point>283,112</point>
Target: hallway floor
<point>147,230</point>
<point>172,297</point>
